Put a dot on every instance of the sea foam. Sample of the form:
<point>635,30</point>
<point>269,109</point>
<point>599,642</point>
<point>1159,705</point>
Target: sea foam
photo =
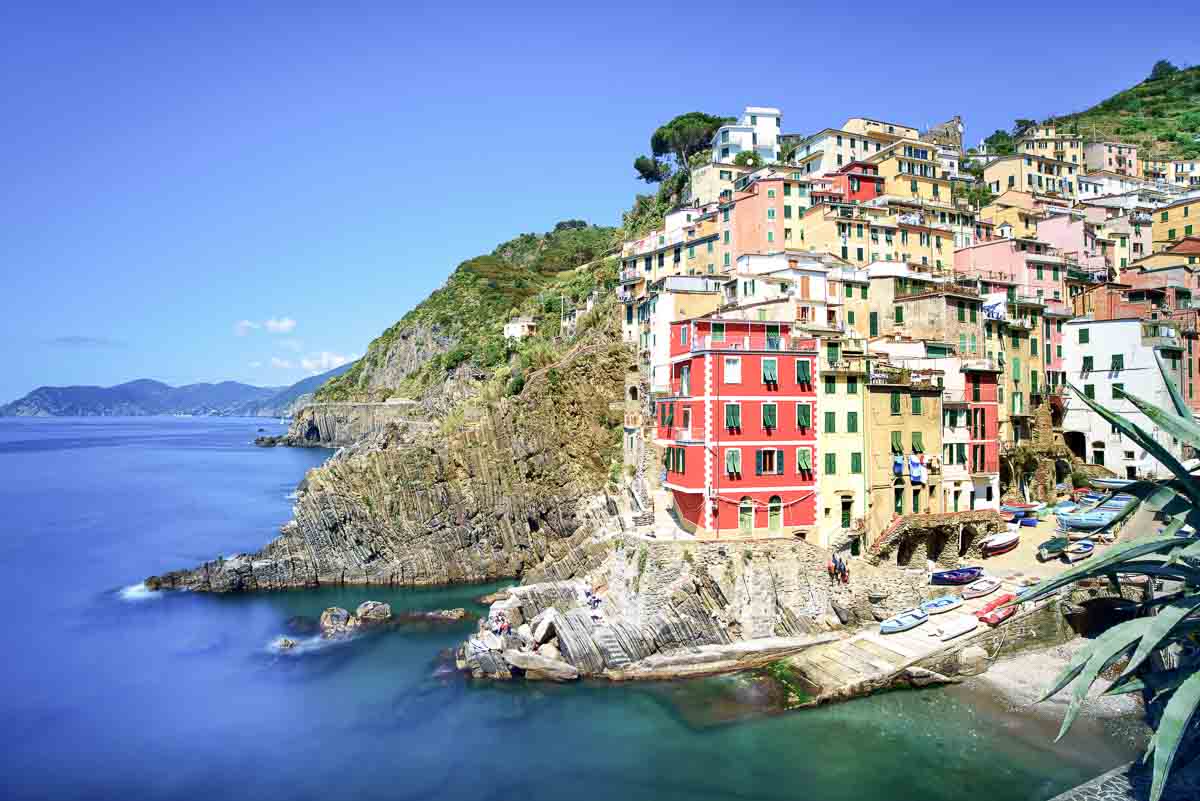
<point>139,592</point>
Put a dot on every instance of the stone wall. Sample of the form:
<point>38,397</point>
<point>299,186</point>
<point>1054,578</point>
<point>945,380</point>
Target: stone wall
<point>914,539</point>
<point>1043,626</point>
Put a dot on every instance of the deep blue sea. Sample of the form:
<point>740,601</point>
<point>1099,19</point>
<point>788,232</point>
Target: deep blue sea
<point>106,692</point>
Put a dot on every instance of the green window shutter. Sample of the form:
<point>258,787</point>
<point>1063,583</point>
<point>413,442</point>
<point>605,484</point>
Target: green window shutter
<point>851,422</point>
<point>974,312</point>
<point>682,460</point>
<point>897,443</point>
<point>916,502</point>
<point>830,385</point>
<point>899,314</point>
<point>770,371</point>
<point>769,417</point>
<point>670,414</point>
<point>733,415</point>
<point>733,461</point>
<point>852,385</point>
<point>758,463</point>
<point>831,422</point>
<point>895,400</point>
<point>779,462</point>
<point>1118,361</point>
<point>803,415</point>
<point>863,292</point>
<point>916,404</point>
<point>803,371</point>
<point>830,464</point>
<point>874,324</point>
<point>856,462</point>
<point>1088,364</point>
<point>1118,391</point>
<point>1016,369</point>
<point>1089,391</point>
<point>804,458</point>
<point>1084,336</point>
<point>918,445</point>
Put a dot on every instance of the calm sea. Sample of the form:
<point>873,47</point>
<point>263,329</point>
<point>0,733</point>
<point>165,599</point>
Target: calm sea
<point>108,692</point>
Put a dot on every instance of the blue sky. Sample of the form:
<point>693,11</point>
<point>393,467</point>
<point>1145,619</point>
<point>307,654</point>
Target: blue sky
<point>250,194</point>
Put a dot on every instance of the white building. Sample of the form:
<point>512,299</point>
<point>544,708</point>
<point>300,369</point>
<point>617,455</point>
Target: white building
<point>519,328</point>
<point>1105,358</point>
<point>826,151</point>
<point>676,297</point>
<point>758,130</point>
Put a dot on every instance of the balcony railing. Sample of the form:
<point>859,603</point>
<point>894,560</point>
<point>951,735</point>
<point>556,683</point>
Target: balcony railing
<point>630,276</point>
<point>750,342</point>
<point>682,434</point>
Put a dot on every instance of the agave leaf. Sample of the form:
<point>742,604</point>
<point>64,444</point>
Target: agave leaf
<point>1130,549</point>
<point>1161,624</point>
<point>1178,572</point>
<point>1148,442</point>
<point>1192,551</point>
<point>1108,648</point>
<point>1181,407</point>
<point>1175,718</point>
<point>1184,428</point>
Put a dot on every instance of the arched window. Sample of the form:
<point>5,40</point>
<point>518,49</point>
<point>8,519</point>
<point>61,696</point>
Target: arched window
<point>746,516</point>
<point>775,513</point>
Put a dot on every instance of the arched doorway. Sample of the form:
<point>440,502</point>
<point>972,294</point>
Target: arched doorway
<point>937,543</point>
<point>966,538</point>
<point>633,393</point>
<point>1077,443</point>
<point>905,550</point>
<point>775,513</point>
<point>746,517</point>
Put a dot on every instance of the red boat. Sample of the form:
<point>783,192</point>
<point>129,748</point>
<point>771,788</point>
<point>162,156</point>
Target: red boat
<point>993,614</point>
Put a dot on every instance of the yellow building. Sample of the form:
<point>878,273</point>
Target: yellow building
<point>1049,142</point>
<point>904,424</point>
<point>879,129</point>
<point>1015,343</point>
<point>842,499</point>
<point>712,183</point>
<point>1031,173</point>
<point>865,234</point>
<point>1174,222</point>
<point>912,170</point>
<point>1015,209</point>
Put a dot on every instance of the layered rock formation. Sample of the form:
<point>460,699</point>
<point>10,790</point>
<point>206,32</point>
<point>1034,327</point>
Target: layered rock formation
<point>494,498</point>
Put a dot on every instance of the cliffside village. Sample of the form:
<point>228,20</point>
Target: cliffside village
<point>832,344</point>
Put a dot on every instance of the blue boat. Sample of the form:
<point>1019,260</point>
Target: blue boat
<point>1029,521</point>
<point>945,603</point>
<point>903,621</point>
<point>963,575</point>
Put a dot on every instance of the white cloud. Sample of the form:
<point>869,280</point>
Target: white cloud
<point>280,325</point>
<point>282,364</point>
<point>320,362</point>
<point>256,364</point>
<point>243,327</point>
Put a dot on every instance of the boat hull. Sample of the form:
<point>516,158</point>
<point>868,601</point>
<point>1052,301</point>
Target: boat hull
<point>955,578</point>
<point>980,588</point>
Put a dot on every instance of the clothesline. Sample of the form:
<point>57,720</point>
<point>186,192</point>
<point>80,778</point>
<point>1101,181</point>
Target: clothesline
<point>753,502</point>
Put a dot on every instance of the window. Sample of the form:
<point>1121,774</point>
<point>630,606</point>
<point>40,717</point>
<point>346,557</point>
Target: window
<point>1088,364</point>
<point>918,443</point>
<point>768,462</point>
<point>718,333</point>
<point>851,422</point>
<point>770,416</point>
<point>803,372</point>
<point>830,464</point>
<point>803,416</point>
<point>733,461</point>
<point>897,442</point>
<point>1084,336</point>
<point>895,403</point>
<point>899,314</point>
<point>847,504</point>
<point>733,416</point>
<point>1089,391</point>
<point>856,463</point>
<point>830,385</point>
<point>775,512</point>
<point>916,505</point>
<point>1118,362</point>
<point>1118,391</point>
<point>873,324</point>
<point>863,292</point>
<point>916,404</point>
<point>733,370</point>
<point>685,380</point>
<point>898,497</point>
<point>803,460</point>
<point>852,382</point>
<point>962,312</point>
<point>770,371</point>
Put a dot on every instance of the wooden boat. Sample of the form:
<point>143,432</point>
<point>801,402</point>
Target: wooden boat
<point>1000,614</point>
<point>1110,483</point>
<point>1052,548</point>
<point>903,621</point>
<point>1078,551</point>
<point>1000,543</point>
<point>959,576</point>
<point>945,603</point>
<point>956,626</point>
<point>984,586</point>
<point>995,603</point>
<point>1029,521</point>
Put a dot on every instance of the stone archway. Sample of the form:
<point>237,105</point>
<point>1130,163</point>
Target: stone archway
<point>633,393</point>
<point>936,544</point>
<point>905,550</point>
<point>966,538</point>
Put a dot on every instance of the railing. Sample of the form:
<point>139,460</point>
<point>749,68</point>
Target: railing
<point>750,342</point>
<point>682,434</point>
<point>630,276</point>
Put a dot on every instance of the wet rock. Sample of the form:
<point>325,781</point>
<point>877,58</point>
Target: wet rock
<point>269,441</point>
<point>285,644</point>
<point>372,613</point>
<point>543,626</point>
<point>492,597</point>
<point>335,622</point>
<point>447,614</point>
<point>541,667</point>
<point>550,651</point>
<point>972,661</point>
<point>843,612</point>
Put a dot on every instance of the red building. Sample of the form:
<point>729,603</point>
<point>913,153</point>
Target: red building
<point>855,182</point>
<point>739,427</point>
<point>983,417</point>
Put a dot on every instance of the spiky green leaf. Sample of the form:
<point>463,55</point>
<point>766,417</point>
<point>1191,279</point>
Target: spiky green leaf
<point>1148,442</point>
<point>1161,624</point>
<point>1107,648</point>
<point>1175,719</point>
<point>1184,428</point>
<point>1131,549</point>
<point>1181,407</point>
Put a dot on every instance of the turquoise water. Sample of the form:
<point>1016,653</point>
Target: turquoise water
<point>108,692</point>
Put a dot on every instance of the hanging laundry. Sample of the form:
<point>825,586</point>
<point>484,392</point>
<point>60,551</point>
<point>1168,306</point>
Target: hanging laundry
<point>898,464</point>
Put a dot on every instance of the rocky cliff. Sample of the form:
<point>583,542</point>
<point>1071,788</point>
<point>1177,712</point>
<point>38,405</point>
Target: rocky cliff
<point>489,495</point>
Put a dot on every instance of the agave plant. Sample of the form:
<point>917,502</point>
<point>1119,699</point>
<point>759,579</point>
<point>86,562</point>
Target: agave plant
<point>1161,641</point>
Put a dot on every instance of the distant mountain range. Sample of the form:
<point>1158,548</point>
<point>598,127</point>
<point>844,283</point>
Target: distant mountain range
<point>146,397</point>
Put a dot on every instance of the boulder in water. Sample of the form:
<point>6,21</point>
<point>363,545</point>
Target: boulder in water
<point>448,614</point>
<point>372,613</point>
<point>543,626</point>
<point>335,622</point>
<point>541,667</point>
<point>285,644</point>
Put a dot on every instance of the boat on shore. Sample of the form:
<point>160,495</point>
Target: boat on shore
<point>1022,508</point>
<point>945,603</point>
<point>996,612</point>
<point>903,621</point>
<point>1110,483</point>
<point>1052,548</point>
<point>956,626</point>
<point>956,577</point>
<point>984,586</point>
<point>1078,551</point>
<point>999,543</point>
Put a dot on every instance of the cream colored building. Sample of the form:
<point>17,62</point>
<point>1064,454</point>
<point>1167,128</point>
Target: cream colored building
<point>1047,141</point>
<point>841,433</point>
<point>1032,173</point>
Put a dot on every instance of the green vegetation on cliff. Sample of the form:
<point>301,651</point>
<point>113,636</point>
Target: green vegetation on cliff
<point>1161,115</point>
<point>534,275</point>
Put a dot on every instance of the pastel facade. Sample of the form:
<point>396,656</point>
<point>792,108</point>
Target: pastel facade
<point>1176,221</point>
<point>712,183</point>
<point>1031,173</point>
<point>912,170</point>
<point>829,150</point>
<point>1048,141</point>
<point>757,131</point>
<point>1114,157</point>
<point>842,500</point>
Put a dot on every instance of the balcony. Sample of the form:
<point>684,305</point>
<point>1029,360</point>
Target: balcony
<point>980,365</point>
<point>683,435</point>
<point>855,365</point>
<point>630,276</point>
<point>752,342</point>
<point>954,397</point>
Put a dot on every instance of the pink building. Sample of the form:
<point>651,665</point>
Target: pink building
<point>1075,237</point>
<point>1019,267</point>
<point>762,215</point>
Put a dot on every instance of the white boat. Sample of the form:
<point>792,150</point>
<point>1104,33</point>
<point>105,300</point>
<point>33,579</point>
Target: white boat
<point>953,626</point>
<point>1001,542</point>
<point>978,589</point>
<point>1079,551</point>
<point>1110,483</point>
